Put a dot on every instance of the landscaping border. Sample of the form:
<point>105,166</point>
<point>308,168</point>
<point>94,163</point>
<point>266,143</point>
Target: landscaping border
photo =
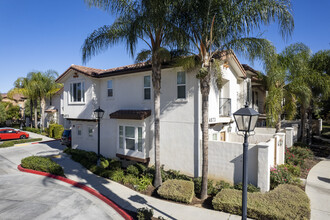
<point>83,187</point>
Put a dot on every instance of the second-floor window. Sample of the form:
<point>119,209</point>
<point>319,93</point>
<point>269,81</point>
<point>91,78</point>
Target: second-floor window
<point>77,92</point>
<point>147,87</point>
<point>181,85</point>
<point>110,88</point>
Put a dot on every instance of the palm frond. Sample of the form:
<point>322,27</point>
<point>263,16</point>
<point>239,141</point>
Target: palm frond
<point>144,55</point>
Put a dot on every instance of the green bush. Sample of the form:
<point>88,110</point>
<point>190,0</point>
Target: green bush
<point>34,130</point>
<point>114,164</point>
<point>130,179</point>
<point>85,158</point>
<point>300,144</point>
<point>281,175</point>
<point>175,174</point>
<point>117,175</point>
<point>326,134</point>
<point>177,190</point>
<point>296,155</point>
<point>250,187</point>
<point>20,141</point>
<point>104,163</point>
<point>141,167</point>
<point>293,169</point>
<point>56,131</point>
<point>144,214</point>
<point>131,169</point>
<point>42,164</point>
<point>198,186</point>
<point>144,183</point>
<point>284,202</point>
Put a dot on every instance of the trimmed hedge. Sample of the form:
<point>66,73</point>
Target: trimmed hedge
<point>56,131</point>
<point>21,141</point>
<point>43,164</point>
<point>177,190</point>
<point>284,202</point>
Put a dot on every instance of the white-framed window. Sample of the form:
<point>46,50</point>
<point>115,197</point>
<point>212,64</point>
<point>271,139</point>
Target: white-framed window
<point>130,138</point>
<point>90,131</point>
<point>110,88</point>
<point>79,130</point>
<point>181,85</point>
<point>77,92</point>
<point>147,87</point>
<point>215,136</point>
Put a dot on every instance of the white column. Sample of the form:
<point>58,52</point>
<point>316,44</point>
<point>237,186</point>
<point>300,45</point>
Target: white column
<point>289,137</point>
<point>263,167</point>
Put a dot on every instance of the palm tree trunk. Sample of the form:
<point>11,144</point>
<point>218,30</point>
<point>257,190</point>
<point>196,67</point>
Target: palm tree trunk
<point>31,112</point>
<point>43,106</point>
<point>205,90</point>
<point>156,81</point>
<point>303,125</point>
<point>278,123</point>
<point>35,106</point>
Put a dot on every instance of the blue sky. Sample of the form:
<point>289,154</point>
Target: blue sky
<point>37,35</point>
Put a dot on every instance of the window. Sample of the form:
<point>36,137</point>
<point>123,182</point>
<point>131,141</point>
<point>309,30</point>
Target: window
<point>90,131</point>
<point>181,85</point>
<point>130,138</point>
<point>79,130</point>
<point>147,88</point>
<point>215,136</point>
<point>110,88</point>
<point>77,92</point>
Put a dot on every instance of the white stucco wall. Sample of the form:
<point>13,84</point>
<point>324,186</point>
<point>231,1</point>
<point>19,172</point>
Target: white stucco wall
<point>226,162</point>
<point>253,139</point>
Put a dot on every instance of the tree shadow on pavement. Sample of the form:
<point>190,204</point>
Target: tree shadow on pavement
<point>327,180</point>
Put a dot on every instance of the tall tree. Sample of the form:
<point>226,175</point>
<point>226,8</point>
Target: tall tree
<point>24,85</point>
<point>149,21</point>
<point>214,26</point>
<point>45,87</point>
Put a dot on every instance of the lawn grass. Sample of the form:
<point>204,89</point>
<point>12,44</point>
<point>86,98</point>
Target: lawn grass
<point>20,141</point>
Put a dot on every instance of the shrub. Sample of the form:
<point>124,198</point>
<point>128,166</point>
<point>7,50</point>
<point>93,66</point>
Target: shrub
<point>96,169</point>
<point>177,190</point>
<point>130,179</point>
<point>293,169</point>
<point>144,214</point>
<point>296,155</point>
<point>104,163</point>
<point>34,130</point>
<point>117,175</point>
<point>42,164</point>
<point>198,186</point>
<point>281,175</point>
<point>55,131</point>
<point>284,202</point>
<point>114,164</point>
<point>86,158</point>
<point>144,183</point>
<point>250,187</point>
<point>141,167</point>
<point>300,144</point>
<point>220,185</point>
<point>175,174</point>
<point>20,141</point>
<point>131,169</point>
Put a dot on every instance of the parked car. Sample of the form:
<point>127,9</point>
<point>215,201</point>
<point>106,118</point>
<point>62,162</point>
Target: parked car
<point>66,138</point>
<point>12,133</point>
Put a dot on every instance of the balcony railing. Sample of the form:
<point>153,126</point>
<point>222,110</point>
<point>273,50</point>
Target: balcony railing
<point>224,107</point>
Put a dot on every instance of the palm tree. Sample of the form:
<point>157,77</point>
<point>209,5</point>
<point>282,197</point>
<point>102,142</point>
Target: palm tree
<point>149,21</point>
<point>306,81</point>
<point>214,26</point>
<point>25,86</point>
<point>45,86</point>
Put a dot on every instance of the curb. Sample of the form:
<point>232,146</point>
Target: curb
<point>81,186</point>
<point>45,141</point>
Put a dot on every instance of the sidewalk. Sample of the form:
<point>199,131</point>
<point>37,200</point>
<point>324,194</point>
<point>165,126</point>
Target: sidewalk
<point>318,190</point>
<point>35,135</point>
<point>131,200</point>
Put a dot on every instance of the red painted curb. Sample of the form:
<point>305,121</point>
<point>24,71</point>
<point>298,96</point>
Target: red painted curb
<point>82,186</point>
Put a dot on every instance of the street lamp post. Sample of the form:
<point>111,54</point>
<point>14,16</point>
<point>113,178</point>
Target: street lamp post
<point>246,119</point>
<point>98,113</point>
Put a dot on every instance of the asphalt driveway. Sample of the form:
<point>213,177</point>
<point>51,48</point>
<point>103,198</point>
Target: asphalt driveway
<point>29,196</point>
